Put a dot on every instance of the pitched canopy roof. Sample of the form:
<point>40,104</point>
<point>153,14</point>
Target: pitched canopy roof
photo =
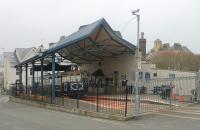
<point>91,42</point>
<point>86,31</point>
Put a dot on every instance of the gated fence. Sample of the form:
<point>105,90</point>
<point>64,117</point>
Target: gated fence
<point>155,94</point>
<point>167,92</point>
<point>112,100</point>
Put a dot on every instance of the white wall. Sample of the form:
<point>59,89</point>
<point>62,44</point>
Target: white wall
<point>184,80</point>
<point>9,74</point>
<point>124,65</point>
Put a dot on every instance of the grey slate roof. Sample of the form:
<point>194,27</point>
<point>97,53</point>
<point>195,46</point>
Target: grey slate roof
<point>22,52</point>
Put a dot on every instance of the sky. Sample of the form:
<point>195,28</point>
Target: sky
<point>28,23</point>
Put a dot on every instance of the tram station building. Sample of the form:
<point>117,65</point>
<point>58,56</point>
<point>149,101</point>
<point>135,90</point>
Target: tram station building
<point>98,51</point>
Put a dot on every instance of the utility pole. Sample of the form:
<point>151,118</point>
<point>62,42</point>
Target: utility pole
<point>138,66</point>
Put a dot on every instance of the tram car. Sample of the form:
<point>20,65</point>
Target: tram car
<point>74,89</point>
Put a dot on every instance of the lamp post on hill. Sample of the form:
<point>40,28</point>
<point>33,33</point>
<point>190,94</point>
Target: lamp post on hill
<point>138,66</point>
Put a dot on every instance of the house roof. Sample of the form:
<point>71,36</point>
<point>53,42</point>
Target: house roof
<point>11,57</point>
<point>92,33</point>
<point>22,53</point>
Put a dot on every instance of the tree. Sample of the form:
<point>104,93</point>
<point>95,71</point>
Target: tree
<point>176,60</point>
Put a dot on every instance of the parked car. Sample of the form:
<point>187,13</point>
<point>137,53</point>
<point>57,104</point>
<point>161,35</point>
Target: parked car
<point>142,89</point>
<point>164,91</point>
<point>157,90</point>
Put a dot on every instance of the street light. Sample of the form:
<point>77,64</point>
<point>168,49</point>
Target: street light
<point>138,66</point>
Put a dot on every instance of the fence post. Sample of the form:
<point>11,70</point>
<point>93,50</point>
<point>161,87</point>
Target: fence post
<point>16,89</point>
<point>170,94</point>
<point>97,92</point>
<point>126,98</point>
<point>62,90</point>
<point>198,86</point>
<point>77,100</point>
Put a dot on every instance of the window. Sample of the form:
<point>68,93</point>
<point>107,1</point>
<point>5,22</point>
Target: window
<point>172,76</point>
<point>140,75</point>
<point>154,74</point>
<point>17,72</point>
<point>147,75</point>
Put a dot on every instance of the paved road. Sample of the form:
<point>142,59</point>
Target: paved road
<point>14,116</point>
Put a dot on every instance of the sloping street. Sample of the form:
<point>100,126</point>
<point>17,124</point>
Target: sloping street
<point>14,116</point>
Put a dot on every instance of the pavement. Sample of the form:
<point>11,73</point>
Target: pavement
<point>14,116</point>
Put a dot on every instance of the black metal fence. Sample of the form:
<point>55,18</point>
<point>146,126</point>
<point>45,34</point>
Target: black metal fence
<point>155,94</point>
<point>112,100</point>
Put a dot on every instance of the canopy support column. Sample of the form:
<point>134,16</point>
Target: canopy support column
<point>26,78</point>
<point>33,78</point>
<point>42,79</point>
<point>20,74</point>
<point>53,77</point>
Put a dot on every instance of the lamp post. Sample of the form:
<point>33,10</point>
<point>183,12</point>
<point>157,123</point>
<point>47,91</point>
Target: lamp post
<point>138,66</point>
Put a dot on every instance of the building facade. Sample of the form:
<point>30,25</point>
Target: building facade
<point>10,60</point>
<point>184,81</point>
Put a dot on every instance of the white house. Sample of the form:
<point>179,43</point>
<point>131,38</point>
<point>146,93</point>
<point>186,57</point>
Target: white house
<point>13,58</point>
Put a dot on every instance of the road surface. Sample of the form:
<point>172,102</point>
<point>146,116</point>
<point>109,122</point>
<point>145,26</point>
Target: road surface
<point>14,116</point>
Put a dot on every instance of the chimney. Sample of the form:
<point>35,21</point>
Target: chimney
<point>62,37</point>
<point>41,48</point>
<point>142,46</point>
<point>51,44</point>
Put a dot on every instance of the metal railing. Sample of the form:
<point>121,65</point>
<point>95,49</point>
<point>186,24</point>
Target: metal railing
<point>155,95</point>
<point>111,100</point>
<point>163,93</point>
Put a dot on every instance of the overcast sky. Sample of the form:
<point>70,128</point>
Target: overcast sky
<point>26,23</point>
